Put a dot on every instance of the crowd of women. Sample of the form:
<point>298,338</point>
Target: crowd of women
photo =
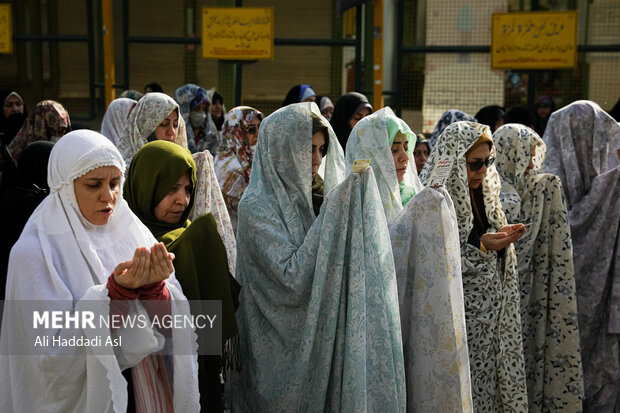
<point>360,266</point>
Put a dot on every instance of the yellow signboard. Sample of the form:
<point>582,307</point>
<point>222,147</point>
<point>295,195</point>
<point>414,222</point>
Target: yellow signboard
<point>542,40</point>
<point>237,33</point>
<point>6,29</point>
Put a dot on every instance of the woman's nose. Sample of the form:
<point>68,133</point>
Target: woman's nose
<point>404,156</point>
<point>183,199</point>
<point>316,157</point>
<point>107,194</point>
<point>170,130</point>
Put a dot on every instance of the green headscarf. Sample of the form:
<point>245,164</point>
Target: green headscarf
<point>395,125</point>
<point>200,265</point>
<point>154,170</point>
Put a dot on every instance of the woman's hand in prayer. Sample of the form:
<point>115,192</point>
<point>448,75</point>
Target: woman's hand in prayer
<point>135,273</point>
<point>161,263</point>
<point>503,237</point>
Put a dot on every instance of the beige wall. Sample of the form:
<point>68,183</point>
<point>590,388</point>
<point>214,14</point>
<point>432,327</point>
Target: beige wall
<point>450,80</point>
<point>460,81</point>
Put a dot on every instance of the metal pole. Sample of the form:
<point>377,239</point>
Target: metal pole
<point>238,82</point>
<point>531,74</point>
<point>377,87</point>
<point>400,30</point>
<point>125,44</point>
<point>358,48</point>
<point>108,51</point>
<point>91,60</point>
<point>238,70</point>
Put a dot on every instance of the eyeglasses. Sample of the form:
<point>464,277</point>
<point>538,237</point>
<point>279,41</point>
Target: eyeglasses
<point>475,166</point>
<point>250,129</point>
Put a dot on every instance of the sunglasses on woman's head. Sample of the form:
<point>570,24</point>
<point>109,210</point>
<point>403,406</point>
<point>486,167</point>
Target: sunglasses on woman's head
<point>476,165</point>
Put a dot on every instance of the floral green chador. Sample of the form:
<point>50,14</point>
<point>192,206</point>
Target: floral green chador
<point>318,315</point>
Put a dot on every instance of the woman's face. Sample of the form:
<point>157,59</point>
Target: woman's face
<point>399,152</point>
<point>216,109</point>
<point>250,132</point>
<point>59,132</point>
<point>97,193</point>
<point>543,111</point>
<point>328,112</point>
<point>357,116</point>
<point>318,148</point>
<point>530,166</point>
<point>475,157</point>
<point>171,208</point>
<point>201,108</point>
<point>168,128</point>
<point>12,106</point>
<point>420,154</point>
<point>198,115</point>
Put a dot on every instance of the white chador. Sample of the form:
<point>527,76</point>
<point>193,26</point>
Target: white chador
<point>64,261</point>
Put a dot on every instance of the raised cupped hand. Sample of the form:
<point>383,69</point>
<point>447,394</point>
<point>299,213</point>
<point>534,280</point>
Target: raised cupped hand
<point>145,268</point>
<point>161,263</point>
<point>503,237</point>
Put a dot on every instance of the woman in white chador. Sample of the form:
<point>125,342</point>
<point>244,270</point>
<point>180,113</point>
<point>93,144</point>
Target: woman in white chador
<point>546,274</point>
<point>75,253</point>
<point>318,316</point>
<point>425,244</point>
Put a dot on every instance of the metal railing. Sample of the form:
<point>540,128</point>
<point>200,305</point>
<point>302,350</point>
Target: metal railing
<point>89,38</point>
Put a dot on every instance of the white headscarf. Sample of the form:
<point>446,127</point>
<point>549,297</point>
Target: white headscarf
<point>150,111</point>
<point>61,257</point>
<point>115,119</point>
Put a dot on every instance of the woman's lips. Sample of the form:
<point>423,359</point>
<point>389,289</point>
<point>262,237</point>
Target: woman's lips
<point>106,211</point>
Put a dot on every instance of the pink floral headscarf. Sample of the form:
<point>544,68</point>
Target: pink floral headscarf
<point>42,124</point>
<point>237,120</point>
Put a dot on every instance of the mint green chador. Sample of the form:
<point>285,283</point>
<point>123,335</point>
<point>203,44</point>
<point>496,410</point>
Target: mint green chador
<point>318,316</point>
